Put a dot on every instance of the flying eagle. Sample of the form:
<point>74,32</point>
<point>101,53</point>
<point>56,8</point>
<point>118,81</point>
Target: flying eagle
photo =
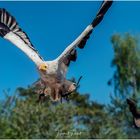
<point>52,73</point>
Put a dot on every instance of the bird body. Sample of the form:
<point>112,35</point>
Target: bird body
<point>52,73</point>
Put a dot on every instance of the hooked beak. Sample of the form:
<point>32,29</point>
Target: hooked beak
<point>43,67</point>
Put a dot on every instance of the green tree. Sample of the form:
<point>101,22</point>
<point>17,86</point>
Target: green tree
<point>26,118</point>
<point>126,83</point>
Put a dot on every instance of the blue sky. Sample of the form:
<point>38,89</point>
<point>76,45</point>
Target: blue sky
<point>52,26</point>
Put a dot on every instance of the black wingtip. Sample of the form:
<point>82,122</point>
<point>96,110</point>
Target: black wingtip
<point>7,22</point>
<point>2,9</point>
<point>3,28</point>
<point>103,9</point>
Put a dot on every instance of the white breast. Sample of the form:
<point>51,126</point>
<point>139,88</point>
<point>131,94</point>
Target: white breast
<point>53,73</point>
<point>52,67</point>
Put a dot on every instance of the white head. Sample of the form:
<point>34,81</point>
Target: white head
<point>48,67</point>
<point>43,67</point>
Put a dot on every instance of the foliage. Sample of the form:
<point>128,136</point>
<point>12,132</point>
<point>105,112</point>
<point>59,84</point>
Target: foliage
<point>126,83</point>
<point>127,62</point>
<point>29,119</point>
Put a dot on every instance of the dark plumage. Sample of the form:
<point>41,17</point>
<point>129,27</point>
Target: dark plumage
<point>136,114</point>
<point>72,56</point>
<point>84,40</point>
<point>103,9</point>
<point>3,30</point>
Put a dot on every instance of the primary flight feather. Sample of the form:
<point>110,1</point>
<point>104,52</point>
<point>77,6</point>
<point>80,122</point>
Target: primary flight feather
<point>52,73</point>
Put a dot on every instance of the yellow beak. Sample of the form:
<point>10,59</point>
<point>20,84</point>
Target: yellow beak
<point>43,67</point>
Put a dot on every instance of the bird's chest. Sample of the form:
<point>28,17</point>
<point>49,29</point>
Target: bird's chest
<point>52,69</point>
<point>50,79</point>
<point>50,76</point>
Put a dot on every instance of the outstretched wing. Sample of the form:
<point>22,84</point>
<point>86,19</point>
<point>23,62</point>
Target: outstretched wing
<point>70,54</point>
<point>10,30</point>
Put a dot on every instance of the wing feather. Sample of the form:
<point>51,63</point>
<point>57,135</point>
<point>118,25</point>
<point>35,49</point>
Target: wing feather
<point>67,55</point>
<point>10,30</point>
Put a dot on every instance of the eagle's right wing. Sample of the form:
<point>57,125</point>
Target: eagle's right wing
<point>10,30</point>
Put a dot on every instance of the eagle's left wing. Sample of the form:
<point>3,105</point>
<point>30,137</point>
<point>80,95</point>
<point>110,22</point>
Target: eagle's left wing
<point>70,54</point>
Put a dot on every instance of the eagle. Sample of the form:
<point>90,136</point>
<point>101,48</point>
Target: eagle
<point>52,73</point>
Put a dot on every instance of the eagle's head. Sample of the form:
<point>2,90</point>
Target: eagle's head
<point>43,67</point>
